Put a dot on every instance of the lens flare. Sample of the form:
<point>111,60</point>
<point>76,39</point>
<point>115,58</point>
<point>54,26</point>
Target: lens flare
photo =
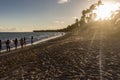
<point>106,10</point>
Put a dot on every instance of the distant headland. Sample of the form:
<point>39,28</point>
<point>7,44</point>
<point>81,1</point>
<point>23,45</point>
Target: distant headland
<point>69,28</point>
<point>61,30</point>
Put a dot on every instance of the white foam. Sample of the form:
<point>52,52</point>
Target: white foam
<point>37,42</point>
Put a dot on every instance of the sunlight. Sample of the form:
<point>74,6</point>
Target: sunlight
<point>105,11</point>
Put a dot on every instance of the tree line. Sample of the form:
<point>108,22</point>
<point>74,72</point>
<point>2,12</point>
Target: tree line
<point>88,18</point>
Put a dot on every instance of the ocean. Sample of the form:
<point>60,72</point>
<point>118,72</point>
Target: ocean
<point>37,36</point>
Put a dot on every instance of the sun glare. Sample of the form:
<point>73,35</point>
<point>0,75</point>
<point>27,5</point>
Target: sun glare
<point>106,10</point>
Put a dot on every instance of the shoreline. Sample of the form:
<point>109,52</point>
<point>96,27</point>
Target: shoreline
<point>35,43</point>
<point>66,57</point>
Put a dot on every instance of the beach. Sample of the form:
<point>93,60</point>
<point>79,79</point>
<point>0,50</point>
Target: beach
<point>60,40</point>
<point>69,57</point>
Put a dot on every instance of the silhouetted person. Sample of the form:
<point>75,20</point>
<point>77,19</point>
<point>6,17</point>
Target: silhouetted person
<point>8,45</point>
<point>21,42</point>
<point>0,45</point>
<point>16,43</point>
<point>24,41</point>
<point>31,39</point>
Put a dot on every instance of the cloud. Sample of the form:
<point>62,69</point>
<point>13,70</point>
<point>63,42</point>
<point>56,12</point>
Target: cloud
<point>75,17</point>
<point>59,22</point>
<point>6,29</point>
<point>63,1</point>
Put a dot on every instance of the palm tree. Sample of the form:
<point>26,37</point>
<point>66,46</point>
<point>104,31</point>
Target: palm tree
<point>99,2</point>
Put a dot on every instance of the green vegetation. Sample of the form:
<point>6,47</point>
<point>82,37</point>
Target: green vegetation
<point>88,19</point>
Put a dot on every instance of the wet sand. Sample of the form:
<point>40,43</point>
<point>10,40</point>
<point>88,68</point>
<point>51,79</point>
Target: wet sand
<point>71,57</point>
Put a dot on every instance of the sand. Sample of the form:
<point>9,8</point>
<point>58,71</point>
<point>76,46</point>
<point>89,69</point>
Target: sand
<point>71,57</point>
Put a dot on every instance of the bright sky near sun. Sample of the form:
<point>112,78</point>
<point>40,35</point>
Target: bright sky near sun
<point>28,15</point>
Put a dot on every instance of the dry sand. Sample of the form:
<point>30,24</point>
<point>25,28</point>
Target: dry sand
<point>70,57</point>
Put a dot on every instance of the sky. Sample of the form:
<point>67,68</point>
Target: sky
<point>29,15</point>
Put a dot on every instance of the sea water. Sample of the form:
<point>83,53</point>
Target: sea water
<point>37,37</point>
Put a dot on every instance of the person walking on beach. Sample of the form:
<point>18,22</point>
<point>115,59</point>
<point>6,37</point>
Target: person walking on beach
<point>24,41</point>
<point>8,45</point>
<point>0,45</point>
<point>16,43</point>
<point>32,40</point>
<point>21,42</point>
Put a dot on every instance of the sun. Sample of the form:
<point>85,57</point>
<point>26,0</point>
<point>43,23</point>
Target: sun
<point>106,10</point>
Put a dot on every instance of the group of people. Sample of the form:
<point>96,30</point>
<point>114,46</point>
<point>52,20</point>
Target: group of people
<point>22,43</point>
